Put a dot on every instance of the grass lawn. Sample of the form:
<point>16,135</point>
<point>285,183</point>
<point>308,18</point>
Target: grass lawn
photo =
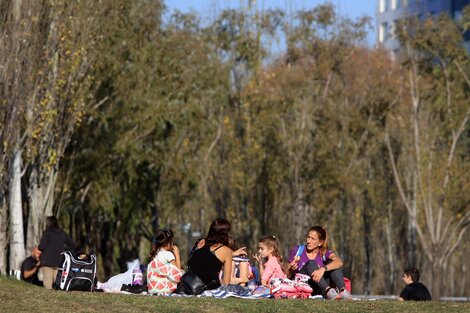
<point>17,296</point>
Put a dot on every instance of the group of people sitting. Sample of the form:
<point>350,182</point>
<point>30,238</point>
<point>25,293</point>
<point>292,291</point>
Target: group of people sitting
<point>217,261</point>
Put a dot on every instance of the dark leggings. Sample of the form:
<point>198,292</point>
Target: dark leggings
<point>335,276</point>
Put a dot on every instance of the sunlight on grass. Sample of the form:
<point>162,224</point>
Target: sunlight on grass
<point>18,296</point>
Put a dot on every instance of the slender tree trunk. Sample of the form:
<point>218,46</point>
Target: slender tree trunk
<point>17,248</point>
<point>463,275</point>
<point>36,215</point>
<point>437,279</point>
<point>390,281</point>
<point>451,273</point>
<point>106,248</point>
<point>367,243</point>
<point>41,200</point>
<point>154,200</point>
<point>411,232</point>
<point>3,230</point>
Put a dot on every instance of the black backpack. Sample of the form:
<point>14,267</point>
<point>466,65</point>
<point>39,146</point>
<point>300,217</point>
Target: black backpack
<point>76,272</point>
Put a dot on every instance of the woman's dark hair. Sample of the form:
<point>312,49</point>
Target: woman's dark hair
<point>51,222</point>
<point>218,232</point>
<point>163,237</point>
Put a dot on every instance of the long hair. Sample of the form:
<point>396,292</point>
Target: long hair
<point>218,232</point>
<point>272,242</point>
<point>51,222</point>
<point>322,235</point>
<point>163,237</point>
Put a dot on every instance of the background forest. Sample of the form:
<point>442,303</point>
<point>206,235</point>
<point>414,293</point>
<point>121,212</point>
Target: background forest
<point>120,117</point>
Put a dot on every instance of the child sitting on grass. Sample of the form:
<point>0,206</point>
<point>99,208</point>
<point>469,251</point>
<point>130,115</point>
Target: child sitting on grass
<point>269,260</point>
<point>164,269</point>
<point>241,269</point>
<point>414,290</point>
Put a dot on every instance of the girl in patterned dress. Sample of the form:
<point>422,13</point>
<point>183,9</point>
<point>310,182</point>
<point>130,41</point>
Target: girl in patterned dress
<point>164,269</point>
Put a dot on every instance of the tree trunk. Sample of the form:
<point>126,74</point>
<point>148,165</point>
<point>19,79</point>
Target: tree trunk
<point>106,248</point>
<point>463,276</point>
<point>411,232</point>
<point>41,199</point>
<point>3,230</point>
<point>17,248</point>
<point>36,217</point>
<point>390,280</point>
<point>437,279</point>
<point>366,219</point>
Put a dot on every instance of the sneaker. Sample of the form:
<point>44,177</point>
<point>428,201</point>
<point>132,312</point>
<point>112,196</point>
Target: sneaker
<point>332,294</point>
<point>301,283</point>
<point>344,294</point>
<point>134,289</point>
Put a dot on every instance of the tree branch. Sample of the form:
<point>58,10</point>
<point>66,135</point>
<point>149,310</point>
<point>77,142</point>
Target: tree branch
<point>404,199</point>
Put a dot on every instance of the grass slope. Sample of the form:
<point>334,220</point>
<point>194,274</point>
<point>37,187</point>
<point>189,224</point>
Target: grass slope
<point>17,296</point>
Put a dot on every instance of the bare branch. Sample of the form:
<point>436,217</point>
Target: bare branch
<point>462,72</point>
<point>451,248</point>
<point>214,142</point>
<point>403,197</point>
<point>415,99</point>
<point>450,223</point>
<point>327,85</point>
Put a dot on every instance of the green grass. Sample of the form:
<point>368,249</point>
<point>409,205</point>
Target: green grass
<point>17,296</point>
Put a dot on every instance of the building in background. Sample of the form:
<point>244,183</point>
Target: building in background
<point>388,12</point>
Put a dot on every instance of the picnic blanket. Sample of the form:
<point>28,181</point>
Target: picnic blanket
<point>229,291</point>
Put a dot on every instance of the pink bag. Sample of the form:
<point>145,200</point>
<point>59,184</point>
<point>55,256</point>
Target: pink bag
<point>347,284</point>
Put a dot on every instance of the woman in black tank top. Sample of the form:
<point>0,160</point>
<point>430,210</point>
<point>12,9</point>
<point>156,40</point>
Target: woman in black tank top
<point>207,261</point>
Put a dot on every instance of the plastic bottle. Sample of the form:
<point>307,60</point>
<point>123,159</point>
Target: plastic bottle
<point>137,277</point>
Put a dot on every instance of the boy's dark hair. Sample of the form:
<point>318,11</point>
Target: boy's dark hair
<point>51,222</point>
<point>413,273</point>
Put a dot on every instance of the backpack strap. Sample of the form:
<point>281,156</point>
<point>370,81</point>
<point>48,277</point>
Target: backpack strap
<point>324,259</point>
<point>300,250</point>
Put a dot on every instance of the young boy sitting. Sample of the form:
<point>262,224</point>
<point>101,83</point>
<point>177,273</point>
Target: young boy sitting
<point>414,290</point>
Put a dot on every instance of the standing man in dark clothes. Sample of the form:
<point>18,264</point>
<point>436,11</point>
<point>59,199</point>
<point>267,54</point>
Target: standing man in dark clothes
<point>30,268</point>
<point>53,242</point>
<point>414,290</point>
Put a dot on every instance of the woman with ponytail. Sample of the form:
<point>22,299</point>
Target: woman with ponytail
<point>321,264</point>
